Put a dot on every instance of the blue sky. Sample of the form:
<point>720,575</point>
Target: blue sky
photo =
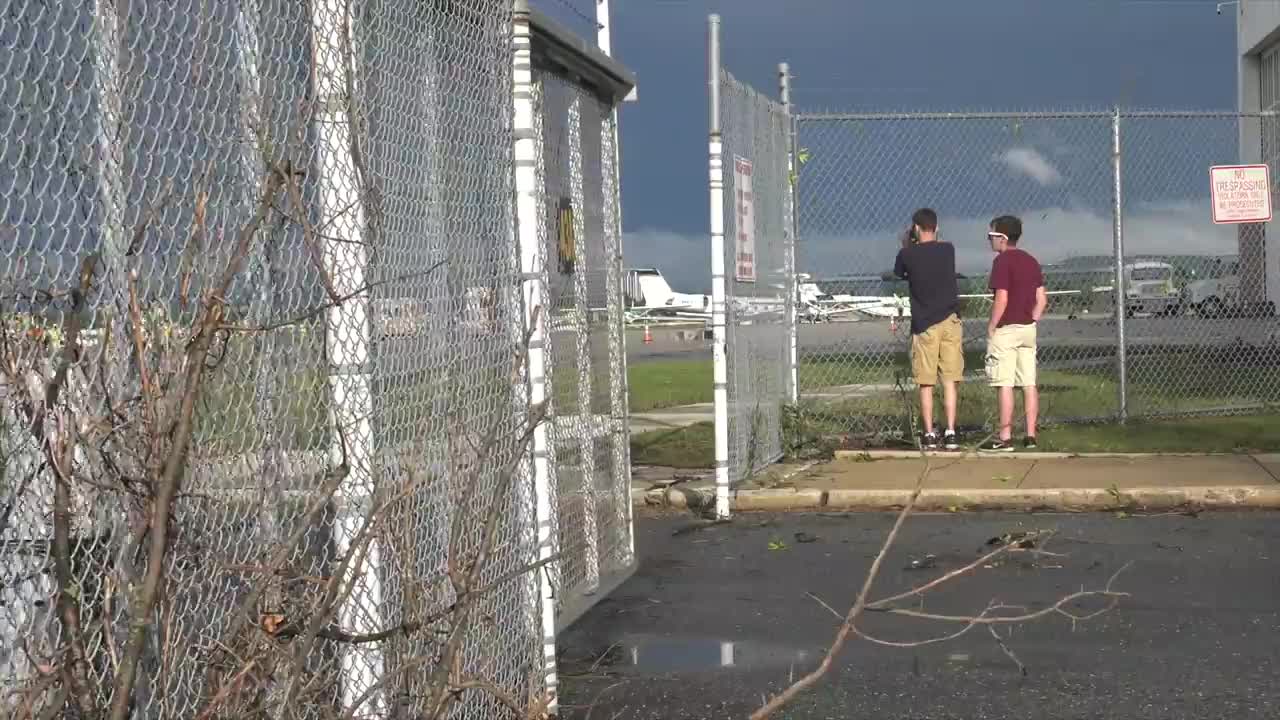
<point>880,55</point>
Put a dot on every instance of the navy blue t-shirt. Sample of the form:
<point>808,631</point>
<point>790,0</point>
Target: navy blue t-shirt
<point>930,271</point>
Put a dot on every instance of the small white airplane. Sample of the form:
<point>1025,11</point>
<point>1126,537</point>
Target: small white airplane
<point>817,306</point>
<point>650,299</point>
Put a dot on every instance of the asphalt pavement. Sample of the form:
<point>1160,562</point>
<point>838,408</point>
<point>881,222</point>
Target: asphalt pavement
<point>719,616</point>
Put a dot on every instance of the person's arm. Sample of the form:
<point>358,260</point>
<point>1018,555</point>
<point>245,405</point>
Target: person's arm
<point>997,310</point>
<point>1042,301</point>
<point>1000,286</point>
<point>900,267</point>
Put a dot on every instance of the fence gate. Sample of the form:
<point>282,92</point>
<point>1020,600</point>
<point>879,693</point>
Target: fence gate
<point>579,249</point>
<point>752,283</point>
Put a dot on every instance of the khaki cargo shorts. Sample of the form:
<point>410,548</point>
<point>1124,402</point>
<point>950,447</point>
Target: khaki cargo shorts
<point>938,351</point>
<point>1011,356</point>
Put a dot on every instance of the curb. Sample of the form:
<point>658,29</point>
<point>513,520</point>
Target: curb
<point>916,455</point>
<point>1211,497</point>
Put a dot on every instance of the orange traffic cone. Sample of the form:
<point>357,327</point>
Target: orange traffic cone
<point>893,323</point>
<point>648,336</point>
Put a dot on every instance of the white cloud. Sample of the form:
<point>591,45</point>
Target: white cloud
<point>1051,234</point>
<point>685,260</point>
<point>1029,162</point>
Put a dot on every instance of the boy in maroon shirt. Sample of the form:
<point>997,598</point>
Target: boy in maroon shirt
<point>1020,299</point>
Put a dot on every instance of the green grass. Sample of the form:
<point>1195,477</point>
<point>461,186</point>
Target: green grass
<point>668,383</point>
<point>1079,402</point>
<point>694,446</point>
<point>1232,434</point>
<point>658,384</point>
<point>1161,382</point>
<point>661,384</point>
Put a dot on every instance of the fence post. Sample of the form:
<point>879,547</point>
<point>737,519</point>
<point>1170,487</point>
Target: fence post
<point>528,150</point>
<point>1117,230</point>
<point>789,246</point>
<point>720,372</point>
<point>347,342</point>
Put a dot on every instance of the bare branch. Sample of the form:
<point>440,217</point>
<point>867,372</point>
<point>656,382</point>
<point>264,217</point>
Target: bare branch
<point>1008,653</point>
<point>173,466</point>
<point>846,628</point>
<point>309,239</point>
<point>1055,608</point>
<point>994,614</point>
<point>942,579</point>
<point>150,215</point>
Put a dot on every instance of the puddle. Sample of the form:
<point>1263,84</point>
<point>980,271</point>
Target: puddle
<point>670,654</point>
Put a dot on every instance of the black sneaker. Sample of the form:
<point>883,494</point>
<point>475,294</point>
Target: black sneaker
<point>1029,443</point>
<point>996,446</point>
<point>930,441</point>
<point>949,440</point>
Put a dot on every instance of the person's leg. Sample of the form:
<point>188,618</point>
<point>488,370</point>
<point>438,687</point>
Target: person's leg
<point>924,366</point>
<point>1031,401</point>
<point>1002,366</point>
<point>949,404</point>
<point>1026,379</point>
<point>1006,412</point>
<point>951,366</point>
<point>926,408</point>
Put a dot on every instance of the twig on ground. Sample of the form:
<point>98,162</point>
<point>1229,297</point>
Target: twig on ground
<point>1009,653</point>
<point>995,613</point>
<point>846,628</point>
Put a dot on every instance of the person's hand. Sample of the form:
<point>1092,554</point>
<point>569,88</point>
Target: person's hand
<point>905,238</point>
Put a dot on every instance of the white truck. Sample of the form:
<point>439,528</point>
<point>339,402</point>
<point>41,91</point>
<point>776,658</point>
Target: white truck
<point>1216,293</point>
<point>1150,288</point>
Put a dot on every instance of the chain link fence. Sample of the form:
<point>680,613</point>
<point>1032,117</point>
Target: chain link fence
<point>752,286</point>
<point>270,376</point>
<point>1194,333</point>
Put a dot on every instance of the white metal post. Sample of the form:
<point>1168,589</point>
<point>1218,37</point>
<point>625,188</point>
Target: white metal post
<point>604,29</point>
<point>347,343</point>
<point>528,156</point>
<point>110,149</point>
<point>789,246</point>
<point>604,36</point>
<point>617,331</point>
<point>720,374</point>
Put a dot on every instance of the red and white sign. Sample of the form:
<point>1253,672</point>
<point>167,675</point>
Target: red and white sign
<point>744,245</point>
<point>1241,193</point>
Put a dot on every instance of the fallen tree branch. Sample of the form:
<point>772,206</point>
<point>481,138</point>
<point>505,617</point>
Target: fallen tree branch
<point>992,616</point>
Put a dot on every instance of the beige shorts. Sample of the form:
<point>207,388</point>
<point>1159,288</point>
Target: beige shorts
<point>1011,356</point>
<point>939,351</point>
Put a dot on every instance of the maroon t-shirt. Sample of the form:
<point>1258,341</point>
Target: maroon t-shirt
<point>1018,272</point>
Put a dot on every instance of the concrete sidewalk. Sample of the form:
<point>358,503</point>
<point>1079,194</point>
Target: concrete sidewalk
<point>1019,481</point>
<point>672,418</point>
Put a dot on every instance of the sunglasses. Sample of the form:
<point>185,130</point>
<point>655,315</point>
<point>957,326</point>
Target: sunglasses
<point>994,235</point>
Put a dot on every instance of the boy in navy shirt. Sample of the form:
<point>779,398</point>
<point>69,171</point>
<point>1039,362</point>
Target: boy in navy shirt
<point>929,267</point>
